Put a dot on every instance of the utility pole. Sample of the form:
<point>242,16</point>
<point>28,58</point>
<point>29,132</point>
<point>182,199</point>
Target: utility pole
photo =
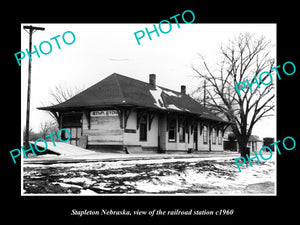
<point>204,100</point>
<point>208,127</point>
<point>31,31</point>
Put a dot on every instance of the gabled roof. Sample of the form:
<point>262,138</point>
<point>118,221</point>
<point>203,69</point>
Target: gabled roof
<point>119,90</point>
<point>254,138</point>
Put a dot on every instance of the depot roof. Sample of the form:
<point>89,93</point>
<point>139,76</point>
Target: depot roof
<point>117,90</point>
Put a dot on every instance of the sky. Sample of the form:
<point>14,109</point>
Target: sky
<point>102,49</point>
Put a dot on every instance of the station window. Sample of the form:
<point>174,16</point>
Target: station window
<point>172,130</point>
<point>220,138</point>
<point>143,128</point>
<point>214,137</point>
<point>72,122</point>
<point>205,135</point>
<point>181,132</point>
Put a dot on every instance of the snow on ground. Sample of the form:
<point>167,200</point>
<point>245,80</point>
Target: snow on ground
<point>164,176</point>
<point>62,148</point>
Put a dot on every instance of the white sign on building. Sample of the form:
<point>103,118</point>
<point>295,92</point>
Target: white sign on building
<point>104,113</point>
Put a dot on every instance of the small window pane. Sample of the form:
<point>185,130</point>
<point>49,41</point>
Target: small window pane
<point>172,130</point>
<point>73,132</point>
<point>181,132</point>
<point>214,137</point>
<point>205,134</point>
<point>220,138</point>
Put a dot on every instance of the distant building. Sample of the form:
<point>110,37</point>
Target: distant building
<point>122,113</point>
<point>254,143</point>
<point>267,141</point>
<point>231,144</point>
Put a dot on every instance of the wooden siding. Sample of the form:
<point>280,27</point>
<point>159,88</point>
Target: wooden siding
<point>133,138</point>
<point>104,130</point>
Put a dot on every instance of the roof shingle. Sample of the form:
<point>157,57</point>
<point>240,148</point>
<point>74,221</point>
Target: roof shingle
<point>118,90</point>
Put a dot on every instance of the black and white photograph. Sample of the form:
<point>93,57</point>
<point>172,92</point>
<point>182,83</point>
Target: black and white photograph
<point>145,113</point>
<point>138,109</point>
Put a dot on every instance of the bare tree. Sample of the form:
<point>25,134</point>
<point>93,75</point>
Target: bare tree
<point>47,128</point>
<point>44,129</point>
<point>32,135</point>
<point>244,57</point>
<point>59,94</point>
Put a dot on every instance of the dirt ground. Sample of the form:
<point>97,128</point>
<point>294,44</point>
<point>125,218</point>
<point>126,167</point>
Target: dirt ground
<point>166,176</point>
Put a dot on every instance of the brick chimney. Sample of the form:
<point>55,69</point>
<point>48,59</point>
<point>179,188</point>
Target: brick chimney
<point>183,89</point>
<point>152,80</point>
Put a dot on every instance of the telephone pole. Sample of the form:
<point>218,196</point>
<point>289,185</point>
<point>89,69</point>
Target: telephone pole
<point>204,99</point>
<point>31,31</point>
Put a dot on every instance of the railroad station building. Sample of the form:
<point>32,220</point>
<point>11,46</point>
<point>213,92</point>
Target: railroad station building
<point>123,113</point>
